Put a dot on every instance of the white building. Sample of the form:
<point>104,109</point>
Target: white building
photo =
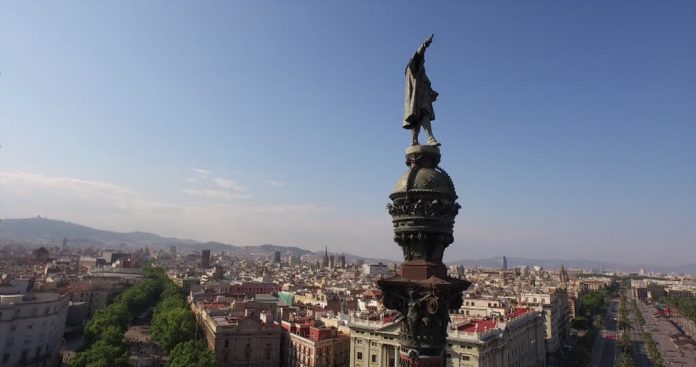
<point>517,340</point>
<point>31,328</point>
<point>483,307</point>
<point>554,306</point>
<point>375,270</point>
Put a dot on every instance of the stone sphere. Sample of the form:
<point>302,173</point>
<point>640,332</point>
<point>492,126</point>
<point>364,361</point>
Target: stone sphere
<point>424,176</point>
<point>424,180</point>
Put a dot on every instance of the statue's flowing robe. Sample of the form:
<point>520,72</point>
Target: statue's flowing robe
<point>419,94</point>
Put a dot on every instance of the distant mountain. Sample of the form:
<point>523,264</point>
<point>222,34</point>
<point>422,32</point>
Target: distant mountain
<point>290,250</point>
<point>497,262</point>
<point>42,231</point>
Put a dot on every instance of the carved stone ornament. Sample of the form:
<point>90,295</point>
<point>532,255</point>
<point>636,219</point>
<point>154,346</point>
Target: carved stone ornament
<point>432,305</point>
<point>423,208</point>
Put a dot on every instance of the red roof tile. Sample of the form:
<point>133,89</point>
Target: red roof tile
<point>519,311</point>
<point>478,326</point>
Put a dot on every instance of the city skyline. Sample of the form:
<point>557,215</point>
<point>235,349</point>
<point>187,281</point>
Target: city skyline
<point>568,129</point>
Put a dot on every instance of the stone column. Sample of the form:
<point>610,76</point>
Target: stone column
<point>423,208</point>
<point>396,356</point>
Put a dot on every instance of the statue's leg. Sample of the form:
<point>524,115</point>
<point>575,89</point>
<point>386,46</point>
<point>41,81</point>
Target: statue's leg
<point>429,131</point>
<point>415,130</point>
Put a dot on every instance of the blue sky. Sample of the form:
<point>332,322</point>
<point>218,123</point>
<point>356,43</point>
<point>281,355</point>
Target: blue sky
<point>568,127</point>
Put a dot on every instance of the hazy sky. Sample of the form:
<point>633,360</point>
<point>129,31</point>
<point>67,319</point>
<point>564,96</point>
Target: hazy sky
<point>568,127</point>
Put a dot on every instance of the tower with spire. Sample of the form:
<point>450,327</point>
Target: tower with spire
<point>563,276</point>
<point>325,262</point>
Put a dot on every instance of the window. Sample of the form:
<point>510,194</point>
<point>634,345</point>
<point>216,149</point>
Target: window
<point>359,357</point>
<point>374,358</point>
<point>466,358</point>
<point>227,343</point>
<point>30,326</point>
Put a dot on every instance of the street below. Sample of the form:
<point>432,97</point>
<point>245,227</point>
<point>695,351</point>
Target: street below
<point>604,347</point>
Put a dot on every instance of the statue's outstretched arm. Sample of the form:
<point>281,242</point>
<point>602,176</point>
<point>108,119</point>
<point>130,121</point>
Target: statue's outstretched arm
<point>421,49</point>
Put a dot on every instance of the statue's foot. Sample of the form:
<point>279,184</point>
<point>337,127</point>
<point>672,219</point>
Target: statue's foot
<point>433,142</point>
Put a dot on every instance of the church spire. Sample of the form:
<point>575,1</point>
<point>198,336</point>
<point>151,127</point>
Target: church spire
<point>325,263</point>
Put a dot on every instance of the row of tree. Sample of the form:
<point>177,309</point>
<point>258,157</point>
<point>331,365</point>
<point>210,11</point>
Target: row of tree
<point>653,350</point>
<point>625,339</point>
<point>104,331</point>
<point>174,329</point>
<point>173,326</point>
<point>593,305</point>
<point>685,306</point>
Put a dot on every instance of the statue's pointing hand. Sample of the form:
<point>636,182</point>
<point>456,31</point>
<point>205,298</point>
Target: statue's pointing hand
<point>429,40</point>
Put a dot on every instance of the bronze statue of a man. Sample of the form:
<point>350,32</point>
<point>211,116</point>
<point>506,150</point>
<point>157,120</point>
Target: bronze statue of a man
<point>418,106</point>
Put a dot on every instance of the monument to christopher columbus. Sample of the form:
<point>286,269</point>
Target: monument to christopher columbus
<point>418,106</point>
<point>423,206</point>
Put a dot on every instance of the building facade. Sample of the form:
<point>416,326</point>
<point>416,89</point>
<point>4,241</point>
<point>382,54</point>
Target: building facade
<point>205,258</point>
<point>375,270</point>
<point>254,288</point>
<point>556,312</point>
<point>309,345</point>
<point>482,307</point>
<point>242,342</point>
<point>516,341</point>
<point>31,328</point>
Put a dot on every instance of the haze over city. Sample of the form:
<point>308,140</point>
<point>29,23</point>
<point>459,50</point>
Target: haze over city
<point>568,128</point>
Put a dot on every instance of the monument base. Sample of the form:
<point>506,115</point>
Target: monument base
<point>422,269</point>
<point>425,306</point>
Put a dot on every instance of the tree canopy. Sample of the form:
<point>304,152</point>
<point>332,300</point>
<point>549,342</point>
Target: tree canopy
<point>191,354</point>
<point>104,331</point>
